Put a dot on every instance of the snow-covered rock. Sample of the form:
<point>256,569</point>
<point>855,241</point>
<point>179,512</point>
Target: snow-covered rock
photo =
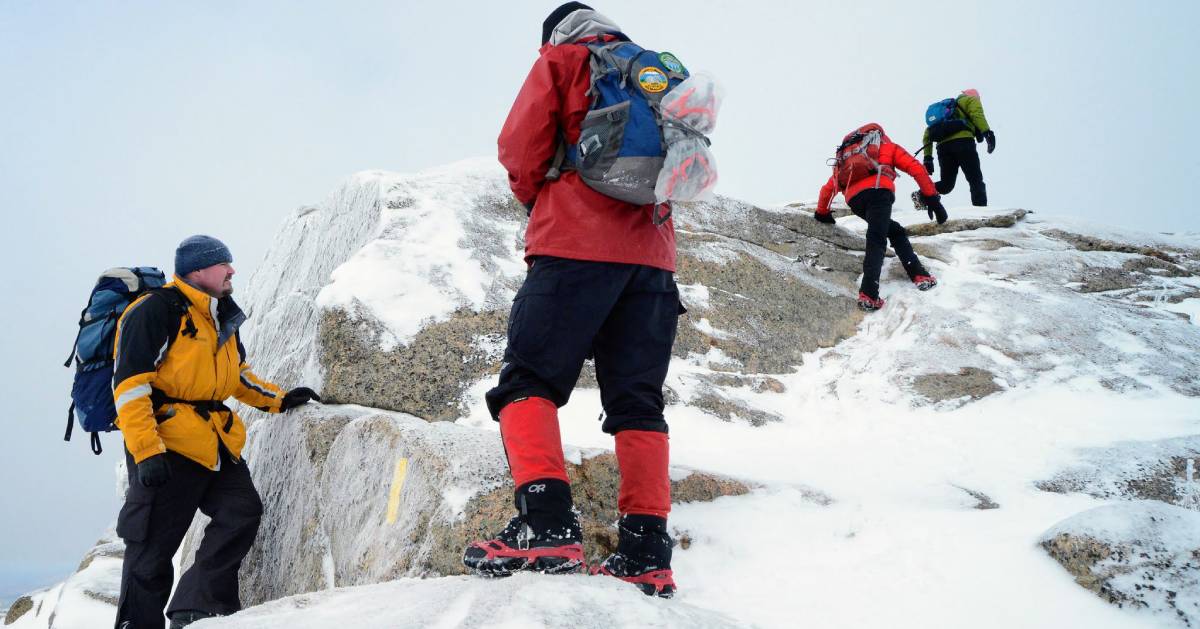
<point>86,599</point>
<point>1167,470</point>
<point>1049,347</point>
<point>524,601</point>
<point>1142,554</point>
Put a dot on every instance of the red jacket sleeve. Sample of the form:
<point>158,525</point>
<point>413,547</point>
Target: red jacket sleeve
<point>826,197</point>
<point>529,138</point>
<point>903,161</point>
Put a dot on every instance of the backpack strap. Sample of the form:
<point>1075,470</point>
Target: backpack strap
<point>177,305</point>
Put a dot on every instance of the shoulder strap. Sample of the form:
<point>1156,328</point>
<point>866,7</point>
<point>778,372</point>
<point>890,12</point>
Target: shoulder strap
<point>177,306</point>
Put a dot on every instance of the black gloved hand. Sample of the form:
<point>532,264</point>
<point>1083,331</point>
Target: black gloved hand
<point>933,203</point>
<point>154,471</point>
<point>824,217</point>
<point>929,164</point>
<point>298,397</point>
<point>990,136</point>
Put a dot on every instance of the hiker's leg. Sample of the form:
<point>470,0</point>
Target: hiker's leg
<point>898,236</point>
<point>211,584</point>
<point>948,163</point>
<point>152,523</point>
<point>974,175</point>
<point>876,206</point>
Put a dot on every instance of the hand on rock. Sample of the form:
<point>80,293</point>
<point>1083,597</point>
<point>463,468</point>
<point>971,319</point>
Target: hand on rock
<point>298,397</point>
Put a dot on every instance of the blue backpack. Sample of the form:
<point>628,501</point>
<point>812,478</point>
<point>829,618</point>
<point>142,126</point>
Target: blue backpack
<point>621,147</point>
<point>91,392</point>
<point>942,121</point>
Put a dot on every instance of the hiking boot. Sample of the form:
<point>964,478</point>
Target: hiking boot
<point>924,282</point>
<point>545,535</point>
<point>185,617</point>
<point>867,303</point>
<point>643,556</point>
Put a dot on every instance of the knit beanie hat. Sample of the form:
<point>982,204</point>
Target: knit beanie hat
<point>200,252</point>
<point>972,92</point>
<point>558,15</point>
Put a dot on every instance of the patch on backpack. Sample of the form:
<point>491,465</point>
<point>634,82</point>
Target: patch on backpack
<point>652,80</point>
<point>671,62</point>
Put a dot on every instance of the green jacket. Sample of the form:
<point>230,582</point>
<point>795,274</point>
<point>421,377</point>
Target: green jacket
<point>975,119</point>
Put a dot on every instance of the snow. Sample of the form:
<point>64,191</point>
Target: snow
<point>524,601</point>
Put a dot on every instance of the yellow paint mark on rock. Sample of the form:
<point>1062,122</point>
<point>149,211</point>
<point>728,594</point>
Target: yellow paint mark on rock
<point>397,484</point>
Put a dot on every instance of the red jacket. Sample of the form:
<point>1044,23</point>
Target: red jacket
<point>890,154</point>
<point>570,220</point>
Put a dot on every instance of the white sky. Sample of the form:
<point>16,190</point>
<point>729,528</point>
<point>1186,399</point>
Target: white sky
<point>127,126</point>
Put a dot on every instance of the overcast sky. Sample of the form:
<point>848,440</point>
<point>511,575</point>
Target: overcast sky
<point>127,126</point>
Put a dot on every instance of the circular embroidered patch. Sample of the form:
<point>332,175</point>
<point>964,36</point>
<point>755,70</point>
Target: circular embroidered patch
<point>652,80</point>
<point>671,62</point>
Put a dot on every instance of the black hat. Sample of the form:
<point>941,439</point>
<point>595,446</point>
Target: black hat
<point>558,15</point>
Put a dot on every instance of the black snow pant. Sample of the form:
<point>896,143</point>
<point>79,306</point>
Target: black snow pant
<point>961,153</point>
<point>153,522</point>
<point>624,315</point>
<point>875,207</point>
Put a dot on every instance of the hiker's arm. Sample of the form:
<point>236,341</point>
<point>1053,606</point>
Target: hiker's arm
<point>974,109</point>
<point>902,160</point>
<point>142,337</point>
<point>253,390</point>
<point>926,144</point>
<point>529,138</point>
<point>826,197</point>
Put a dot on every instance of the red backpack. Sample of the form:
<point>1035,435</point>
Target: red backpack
<point>857,157</point>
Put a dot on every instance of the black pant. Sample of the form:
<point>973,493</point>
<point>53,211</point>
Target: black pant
<point>153,522</point>
<point>875,207</point>
<point>961,153</point>
<point>625,315</point>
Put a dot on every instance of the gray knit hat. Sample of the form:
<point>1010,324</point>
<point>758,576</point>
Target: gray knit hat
<point>200,252</point>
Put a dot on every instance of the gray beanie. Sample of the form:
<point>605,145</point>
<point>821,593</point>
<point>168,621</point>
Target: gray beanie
<point>200,252</point>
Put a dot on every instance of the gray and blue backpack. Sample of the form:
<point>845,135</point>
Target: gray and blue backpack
<point>621,146</point>
<point>91,392</point>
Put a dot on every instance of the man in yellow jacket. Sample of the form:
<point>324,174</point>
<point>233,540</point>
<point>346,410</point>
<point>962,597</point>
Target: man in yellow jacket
<point>178,358</point>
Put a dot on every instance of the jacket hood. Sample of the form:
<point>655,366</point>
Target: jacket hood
<point>582,24</point>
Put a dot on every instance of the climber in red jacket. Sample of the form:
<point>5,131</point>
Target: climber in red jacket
<point>864,171</point>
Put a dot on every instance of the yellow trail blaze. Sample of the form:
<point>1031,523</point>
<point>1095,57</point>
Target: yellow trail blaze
<point>397,484</point>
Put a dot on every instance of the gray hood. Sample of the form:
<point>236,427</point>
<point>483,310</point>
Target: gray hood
<point>580,24</point>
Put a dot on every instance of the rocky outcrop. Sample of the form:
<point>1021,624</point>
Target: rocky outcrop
<point>968,382</point>
<point>1007,219</point>
<point>1142,555</point>
<point>1167,471</point>
<point>354,496</point>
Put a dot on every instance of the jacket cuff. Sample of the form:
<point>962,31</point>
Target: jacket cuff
<point>150,449</point>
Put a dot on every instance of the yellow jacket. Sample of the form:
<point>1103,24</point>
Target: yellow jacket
<point>166,357</point>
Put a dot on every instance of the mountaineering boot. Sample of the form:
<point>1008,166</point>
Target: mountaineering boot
<point>867,303</point>
<point>643,555</point>
<point>924,282</point>
<point>543,537</point>
<point>185,617</point>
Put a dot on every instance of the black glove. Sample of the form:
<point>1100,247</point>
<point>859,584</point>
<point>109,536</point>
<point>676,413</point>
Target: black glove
<point>154,471</point>
<point>990,136</point>
<point>933,203</point>
<point>298,397</point>
<point>929,164</point>
<point>978,138</point>
<point>824,217</point>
